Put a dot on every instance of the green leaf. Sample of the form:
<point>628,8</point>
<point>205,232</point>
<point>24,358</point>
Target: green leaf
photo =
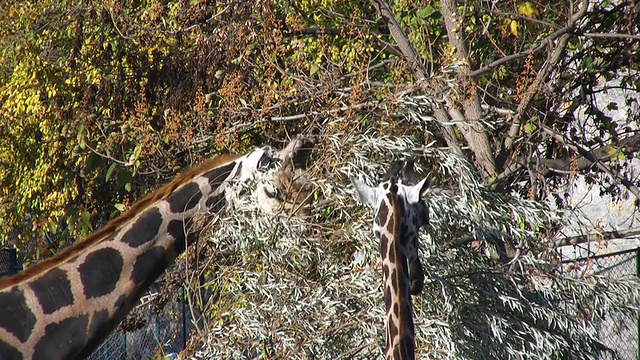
<point>426,12</point>
<point>110,171</point>
<point>53,227</point>
<point>314,69</point>
<point>529,128</point>
<point>119,207</point>
<point>85,219</point>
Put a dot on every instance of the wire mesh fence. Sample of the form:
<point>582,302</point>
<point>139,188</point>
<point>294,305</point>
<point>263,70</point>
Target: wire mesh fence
<point>620,335</point>
<point>163,337</point>
<point>9,263</point>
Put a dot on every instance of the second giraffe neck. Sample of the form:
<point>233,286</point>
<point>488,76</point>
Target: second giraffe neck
<point>399,319</point>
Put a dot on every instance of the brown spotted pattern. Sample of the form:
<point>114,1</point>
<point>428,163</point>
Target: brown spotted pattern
<point>396,285</point>
<point>399,214</point>
<point>63,307</point>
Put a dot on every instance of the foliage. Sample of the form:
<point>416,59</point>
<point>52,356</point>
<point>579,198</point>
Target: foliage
<point>101,101</point>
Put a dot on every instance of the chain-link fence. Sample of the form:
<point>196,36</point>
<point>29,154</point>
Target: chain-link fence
<point>9,262</point>
<point>163,336</point>
<point>621,336</point>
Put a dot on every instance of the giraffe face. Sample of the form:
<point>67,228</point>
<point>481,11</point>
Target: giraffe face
<point>414,215</point>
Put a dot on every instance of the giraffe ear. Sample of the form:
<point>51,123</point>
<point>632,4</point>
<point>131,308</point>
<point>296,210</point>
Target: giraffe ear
<point>413,195</point>
<point>368,195</point>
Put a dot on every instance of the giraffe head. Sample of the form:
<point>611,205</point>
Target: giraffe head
<point>400,180</point>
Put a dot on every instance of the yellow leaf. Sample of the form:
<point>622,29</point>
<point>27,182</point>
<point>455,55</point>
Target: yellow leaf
<point>513,27</point>
<point>610,149</point>
<point>527,9</point>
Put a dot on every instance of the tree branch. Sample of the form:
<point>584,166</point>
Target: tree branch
<point>626,146</point>
<point>472,130</point>
<point>534,87</point>
<point>607,235</point>
<point>401,39</point>
<point>410,55</point>
<point>592,157</point>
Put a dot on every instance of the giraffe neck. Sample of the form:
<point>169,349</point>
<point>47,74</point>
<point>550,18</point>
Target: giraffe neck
<point>65,306</point>
<point>396,282</point>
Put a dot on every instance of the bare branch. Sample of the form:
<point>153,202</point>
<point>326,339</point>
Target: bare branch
<point>401,38</point>
<point>543,43</point>
<point>534,87</point>
<point>473,130</point>
<point>607,235</point>
<point>591,157</point>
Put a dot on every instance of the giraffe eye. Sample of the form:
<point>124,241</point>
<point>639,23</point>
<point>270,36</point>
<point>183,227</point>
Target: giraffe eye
<point>272,192</point>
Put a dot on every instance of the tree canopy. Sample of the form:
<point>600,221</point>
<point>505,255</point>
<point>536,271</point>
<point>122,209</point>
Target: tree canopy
<point>501,101</point>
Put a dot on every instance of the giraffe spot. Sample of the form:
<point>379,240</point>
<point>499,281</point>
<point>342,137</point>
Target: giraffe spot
<point>8,352</point>
<point>62,340</point>
<point>396,310</point>
<point>100,272</point>
<point>100,327</point>
<point>393,188</point>
<point>184,198</point>
<point>53,290</point>
<point>216,202</point>
<point>178,230</point>
<point>120,303</point>
<point>16,317</point>
<point>385,271</point>
<point>393,328</point>
<point>144,229</point>
<point>391,226</point>
<point>148,266</point>
<point>384,246</point>
<point>98,320</point>
<point>394,280</point>
<point>397,354</point>
<point>387,297</point>
<point>219,174</point>
<point>383,213</point>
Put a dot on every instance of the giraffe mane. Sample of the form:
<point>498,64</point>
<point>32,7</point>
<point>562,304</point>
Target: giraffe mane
<point>114,224</point>
<point>401,261</point>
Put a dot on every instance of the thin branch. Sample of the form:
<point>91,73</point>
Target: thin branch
<point>571,165</point>
<point>612,36</point>
<point>607,235</point>
<point>534,87</point>
<point>411,56</point>
<point>543,43</point>
<point>591,156</point>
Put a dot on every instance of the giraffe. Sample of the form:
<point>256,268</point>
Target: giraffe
<point>399,214</point>
<point>65,306</point>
